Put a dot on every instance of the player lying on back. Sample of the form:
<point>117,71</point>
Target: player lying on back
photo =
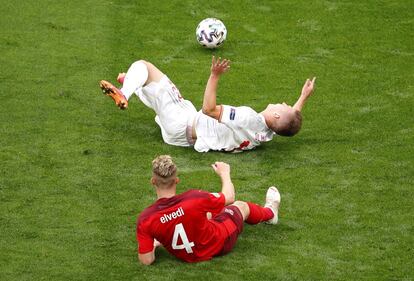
<point>196,225</point>
<point>215,127</point>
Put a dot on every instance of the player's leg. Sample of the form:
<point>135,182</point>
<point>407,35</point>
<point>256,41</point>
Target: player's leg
<point>243,207</point>
<point>138,75</point>
<point>174,114</point>
<point>254,214</point>
<point>251,213</point>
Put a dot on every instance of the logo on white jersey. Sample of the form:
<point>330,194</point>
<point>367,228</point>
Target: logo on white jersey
<point>171,216</point>
<point>260,137</point>
<point>232,113</point>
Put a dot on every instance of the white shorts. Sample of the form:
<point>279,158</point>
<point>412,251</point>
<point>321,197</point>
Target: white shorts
<point>175,115</point>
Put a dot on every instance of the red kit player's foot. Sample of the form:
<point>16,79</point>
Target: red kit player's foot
<point>273,202</point>
<point>112,91</point>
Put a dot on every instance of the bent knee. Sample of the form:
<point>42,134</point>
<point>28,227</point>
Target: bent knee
<point>146,63</point>
<point>154,74</point>
<point>243,207</point>
<point>140,62</point>
<point>240,203</point>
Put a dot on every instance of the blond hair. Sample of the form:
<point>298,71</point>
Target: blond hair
<point>164,169</point>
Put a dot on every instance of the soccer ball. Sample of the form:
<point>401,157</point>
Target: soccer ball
<point>211,33</point>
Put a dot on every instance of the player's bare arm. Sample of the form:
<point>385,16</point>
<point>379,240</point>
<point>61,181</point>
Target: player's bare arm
<point>223,171</point>
<point>210,107</point>
<point>149,258</point>
<point>307,91</point>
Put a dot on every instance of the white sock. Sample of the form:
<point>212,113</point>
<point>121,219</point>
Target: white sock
<point>135,78</point>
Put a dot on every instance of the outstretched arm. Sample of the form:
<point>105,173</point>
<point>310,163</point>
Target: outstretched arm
<point>306,93</point>
<point>210,106</point>
<point>227,188</point>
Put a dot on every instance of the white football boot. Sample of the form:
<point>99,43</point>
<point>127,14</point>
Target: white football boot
<point>273,202</point>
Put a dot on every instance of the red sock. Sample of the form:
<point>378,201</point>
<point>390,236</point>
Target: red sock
<point>258,214</point>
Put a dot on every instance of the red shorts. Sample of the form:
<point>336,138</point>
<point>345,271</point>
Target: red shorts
<point>232,219</point>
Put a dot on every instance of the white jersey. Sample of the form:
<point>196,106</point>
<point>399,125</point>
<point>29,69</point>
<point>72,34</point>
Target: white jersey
<point>240,128</point>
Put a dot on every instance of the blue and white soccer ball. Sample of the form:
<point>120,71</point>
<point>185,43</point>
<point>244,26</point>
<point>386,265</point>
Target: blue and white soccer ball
<point>211,33</point>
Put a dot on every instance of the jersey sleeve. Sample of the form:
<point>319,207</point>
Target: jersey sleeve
<point>213,202</point>
<point>237,117</point>
<point>144,239</point>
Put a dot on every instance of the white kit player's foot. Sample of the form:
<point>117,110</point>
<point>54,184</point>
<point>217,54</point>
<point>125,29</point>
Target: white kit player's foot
<point>112,91</point>
<point>273,202</point>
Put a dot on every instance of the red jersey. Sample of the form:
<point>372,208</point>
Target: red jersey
<point>180,224</point>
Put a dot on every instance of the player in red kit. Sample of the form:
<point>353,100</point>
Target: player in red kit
<point>196,225</point>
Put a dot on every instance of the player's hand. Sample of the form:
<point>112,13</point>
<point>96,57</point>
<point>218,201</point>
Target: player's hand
<point>221,169</point>
<point>219,66</point>
<point>308,87</point>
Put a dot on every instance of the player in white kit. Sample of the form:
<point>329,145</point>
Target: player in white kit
<point>215,127</point>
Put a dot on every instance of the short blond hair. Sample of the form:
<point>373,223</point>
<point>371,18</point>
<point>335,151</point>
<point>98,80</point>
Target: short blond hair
<point>164,168</point>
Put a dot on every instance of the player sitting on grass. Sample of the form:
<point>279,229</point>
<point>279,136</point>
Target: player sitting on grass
<point>196,225</point>
<point>215,127</point>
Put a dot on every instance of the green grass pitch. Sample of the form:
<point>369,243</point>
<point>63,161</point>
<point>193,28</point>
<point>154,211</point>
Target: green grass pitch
<point>75,170</point>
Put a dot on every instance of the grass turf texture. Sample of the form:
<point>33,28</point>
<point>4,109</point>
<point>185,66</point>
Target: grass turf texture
<point>75,170</point>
